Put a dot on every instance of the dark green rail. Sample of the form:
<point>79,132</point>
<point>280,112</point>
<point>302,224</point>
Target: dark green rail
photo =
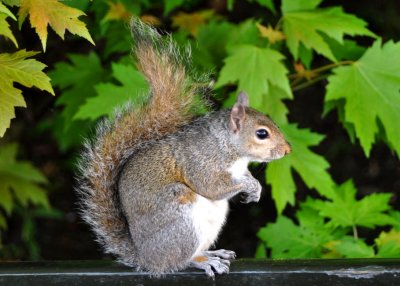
<point>335,272</point>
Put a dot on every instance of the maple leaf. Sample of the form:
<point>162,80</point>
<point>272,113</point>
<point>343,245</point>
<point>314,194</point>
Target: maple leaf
<point>372,81</point>
<point>76,81</point>
<point>246,33</point>
<point>388,244</point>
<point>117,11</point>
<point>211,41</point>
<point>288,240</point>
<point>5,10</point>
<point>259,72</point>
<point>309,26</point>
<point>311,167</point>
<point>345,211</point>
<point>170,5</point>
<point>51,12</point>
<point>5,29</point>
<point>133,85</point>
<point>266,3</point>
<point>298,5</point>
<point>191,22</point>
<point>12,2</point>
<point>4,26</point>
<point>19,179</point>
<point>28,72</point>
<point>350,248</point>
<point>270,33</point>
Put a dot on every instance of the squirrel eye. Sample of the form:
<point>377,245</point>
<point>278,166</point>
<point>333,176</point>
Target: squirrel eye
<point>262,134</point>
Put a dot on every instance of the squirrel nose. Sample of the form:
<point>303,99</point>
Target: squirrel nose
<point>287,148</point>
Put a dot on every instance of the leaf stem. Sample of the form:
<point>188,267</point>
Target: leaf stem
<point>308,83</point>
<point>355,233</point>
<point>324,68</point>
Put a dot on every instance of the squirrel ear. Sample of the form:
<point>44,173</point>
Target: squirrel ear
<point>243,99</point>
<point>238,115</point>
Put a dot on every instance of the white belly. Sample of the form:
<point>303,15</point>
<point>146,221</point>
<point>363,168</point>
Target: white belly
<point>208,218</point>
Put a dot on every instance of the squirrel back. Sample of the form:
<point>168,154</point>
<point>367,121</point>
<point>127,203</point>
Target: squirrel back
<point>171,104</point>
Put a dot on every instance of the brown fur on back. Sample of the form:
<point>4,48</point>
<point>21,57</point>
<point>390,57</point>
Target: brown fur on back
<point>169,106</point>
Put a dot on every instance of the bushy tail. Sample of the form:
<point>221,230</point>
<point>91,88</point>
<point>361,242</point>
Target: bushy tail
<point>170,105</point>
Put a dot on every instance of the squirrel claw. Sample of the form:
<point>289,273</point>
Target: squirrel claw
<point>221,253</point>
<point>211,265</point>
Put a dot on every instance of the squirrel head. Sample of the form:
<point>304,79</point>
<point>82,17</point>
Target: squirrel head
<point>257,136</point>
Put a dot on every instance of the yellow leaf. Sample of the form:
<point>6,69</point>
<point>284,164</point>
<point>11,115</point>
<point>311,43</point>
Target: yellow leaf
<point>191,22</point>
<point>330,250</point>
<point>5,29</point>
<point>117,11</point>
<point>51,12</point>
<point>302,72</point>
<point>27,72</point>
<point>386,237</point>
<point>272,35</point>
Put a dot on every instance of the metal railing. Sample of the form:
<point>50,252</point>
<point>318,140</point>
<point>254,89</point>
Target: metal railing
<point>330,272</point>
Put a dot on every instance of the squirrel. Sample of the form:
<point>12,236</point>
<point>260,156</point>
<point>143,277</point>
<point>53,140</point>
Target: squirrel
<point>155,181</point>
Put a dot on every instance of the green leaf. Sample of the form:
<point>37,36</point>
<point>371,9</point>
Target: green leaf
<point>348,50</point>
<point>71,134</point>
<point>299,5</point>
<point>80,4</point>
<point>28,72</point>
<point>5,29</point>
<point>212,39</point>
<point>351,248</point>
<point>170,5</point>
<point>311,167</point>
<point>309,28</point>
<point>5,10</point>
<point>77,80</point>
<point>19,179</point>
<point>306,56</point>
<point>259,72</point>
<point>372,81</point>
<point>118,39</point>
<point>260,251</point>
<point>388,244</point>
<point>132,86</point>
<point>345,211</point>
<point>266,3</point>
<point>396,216</point>
<point>288,240</point>
<point>12,2</point>
<point>246,33</point>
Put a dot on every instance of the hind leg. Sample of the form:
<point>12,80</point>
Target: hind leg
<point>164,237</point>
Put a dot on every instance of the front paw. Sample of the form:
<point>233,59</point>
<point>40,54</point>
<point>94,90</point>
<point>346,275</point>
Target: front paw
<point>251,196</point>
